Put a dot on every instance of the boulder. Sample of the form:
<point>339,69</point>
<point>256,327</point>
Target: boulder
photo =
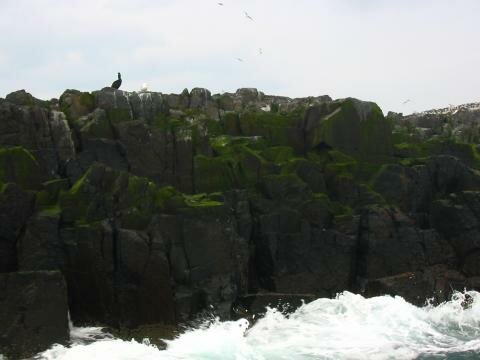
<point>34,312</point>
<point>23,98</point>
<point>43,132</point>
<point>75,104</point>
<point>355,127</point>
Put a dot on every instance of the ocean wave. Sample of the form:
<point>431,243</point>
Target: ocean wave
<point>347,327</point>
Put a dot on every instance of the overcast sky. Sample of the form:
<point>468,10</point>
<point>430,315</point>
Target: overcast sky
<point>387,51</point>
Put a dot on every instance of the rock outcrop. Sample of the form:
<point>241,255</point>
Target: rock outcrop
<point>156,208</point>
<point>34,312</point>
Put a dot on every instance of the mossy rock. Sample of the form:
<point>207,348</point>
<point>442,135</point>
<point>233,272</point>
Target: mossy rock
<point>18,165</point>
<point>284,187</point>
<point>278,129</point>
<point>407,150</point>
<point>393,182</point>
<point>335,162</point>
<point>95,125</point>
<point>278,154</point>
<point>351,126</point>
<point>103,193</point>
<point>231,124</point>
<point>215,174</point>
<point>50,192</point>
<point>203,200</point>
<point>233,145</point>
<point>309,171</point>
<point>75,104</point>
<point>117,116</point>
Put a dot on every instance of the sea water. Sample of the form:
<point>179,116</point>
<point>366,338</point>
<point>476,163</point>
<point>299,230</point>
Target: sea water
<point>347,327</point>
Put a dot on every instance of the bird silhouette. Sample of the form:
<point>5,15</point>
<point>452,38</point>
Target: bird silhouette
<point>260,51</point>
<point>248,16</point>
<point>117,83</point>
<point>221,4</point>
<point>239,59</point>
<point>406,101</point>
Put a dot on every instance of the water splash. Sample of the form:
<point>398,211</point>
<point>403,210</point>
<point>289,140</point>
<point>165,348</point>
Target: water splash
<point>347,327</point>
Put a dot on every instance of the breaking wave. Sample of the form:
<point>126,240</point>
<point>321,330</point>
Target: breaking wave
<point>347,327</point>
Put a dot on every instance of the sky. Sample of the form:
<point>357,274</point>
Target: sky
<point>387,51</point>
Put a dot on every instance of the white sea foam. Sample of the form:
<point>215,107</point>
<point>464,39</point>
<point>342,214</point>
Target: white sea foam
<point>348,327</point>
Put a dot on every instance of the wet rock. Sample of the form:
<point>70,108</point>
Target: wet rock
<point>430,284</point>
<point>252,306</point>
<point>34,312</point>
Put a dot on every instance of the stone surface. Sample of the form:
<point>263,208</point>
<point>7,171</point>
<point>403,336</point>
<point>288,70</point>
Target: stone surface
<point>34,312</point>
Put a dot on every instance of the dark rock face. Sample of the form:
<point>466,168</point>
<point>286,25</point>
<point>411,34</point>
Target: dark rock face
<point>391,244</point>
<point>156,208</point>
<point>34,312</point>
<point>16,205</point>
<point>435,283</point>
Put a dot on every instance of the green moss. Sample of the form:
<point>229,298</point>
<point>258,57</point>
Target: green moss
<point>102,192</point>
<point>346,129</point>
<point>87,100</point>
<point>414,161</point>
<point>376,134</point>
<point>215,173</point>
<point>278,154</point>
<point>50,193</point>
<point>231,124</point>
<point>201,200</point>
<point>336,208</point>
<point>19,166</point>
<point>284,188</point>
<point>276,128</point>
<point>50,211</point>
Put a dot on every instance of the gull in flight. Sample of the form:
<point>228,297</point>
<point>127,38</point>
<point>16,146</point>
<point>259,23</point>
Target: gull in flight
<point>248,16</point>
<point>239,59</point>
<point>406,101</point>
<point>260,51</point>
<point>221,4</point>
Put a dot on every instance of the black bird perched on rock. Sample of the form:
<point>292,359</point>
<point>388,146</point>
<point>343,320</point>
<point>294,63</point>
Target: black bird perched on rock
<point>116,84</point>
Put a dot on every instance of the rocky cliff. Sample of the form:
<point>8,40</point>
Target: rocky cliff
<point>141,208</point>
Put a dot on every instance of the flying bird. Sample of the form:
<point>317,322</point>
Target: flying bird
<point>248,16</point>
<point>260,51</point>
<point>406,101</point>
<point>239,59</point>
<point>221,4</point>
<point>116,84</point>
